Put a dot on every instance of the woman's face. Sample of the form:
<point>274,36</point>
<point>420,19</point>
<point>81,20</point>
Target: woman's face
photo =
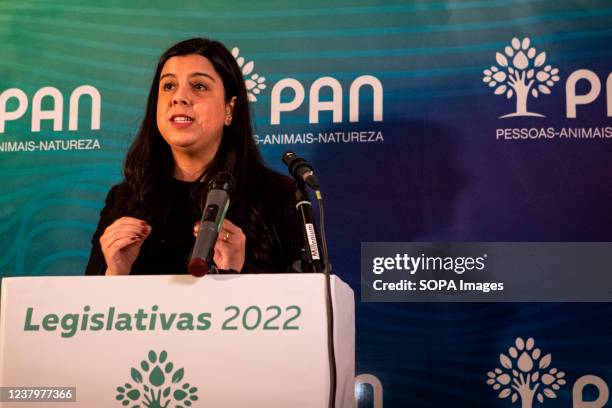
<point>191,106</point>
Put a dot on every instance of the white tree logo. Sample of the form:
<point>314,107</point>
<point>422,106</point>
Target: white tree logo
<point>253,82</point>
<point>518,72</point>
<point>525,374</point>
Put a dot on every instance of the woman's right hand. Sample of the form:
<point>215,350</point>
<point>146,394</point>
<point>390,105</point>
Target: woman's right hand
<point>121,243</point>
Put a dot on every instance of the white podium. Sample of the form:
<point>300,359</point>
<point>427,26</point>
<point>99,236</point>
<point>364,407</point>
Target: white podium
<point>177,341</point>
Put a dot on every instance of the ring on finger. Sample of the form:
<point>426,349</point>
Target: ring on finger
<point>226,236</point>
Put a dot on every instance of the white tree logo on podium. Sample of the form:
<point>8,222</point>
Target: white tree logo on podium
<point>520,72</point>
<point>253,82</point>
<point>525,374</point>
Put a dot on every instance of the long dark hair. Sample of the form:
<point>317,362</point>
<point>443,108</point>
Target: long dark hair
<point>149,164</point>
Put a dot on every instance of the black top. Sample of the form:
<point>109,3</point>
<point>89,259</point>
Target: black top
<point>166,250</point>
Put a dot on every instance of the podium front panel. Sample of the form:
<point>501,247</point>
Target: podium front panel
<point>177,341</point>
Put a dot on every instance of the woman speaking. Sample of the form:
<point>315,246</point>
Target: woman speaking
<point>196,124</point>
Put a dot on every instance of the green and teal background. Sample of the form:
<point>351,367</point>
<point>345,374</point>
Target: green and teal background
<point>440,174</point>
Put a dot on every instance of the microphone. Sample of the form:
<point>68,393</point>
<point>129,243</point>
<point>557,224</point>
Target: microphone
<point>217,201</point>
<point>300,169</point>
<point>312,261</point>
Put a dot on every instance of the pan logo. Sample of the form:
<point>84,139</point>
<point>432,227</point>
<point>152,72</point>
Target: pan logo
<point>526,373</point>
<point>316,105</point>
<point>56,113</point>
<point>520,73</point>
<point>157,384</point>
<point>253,82</point>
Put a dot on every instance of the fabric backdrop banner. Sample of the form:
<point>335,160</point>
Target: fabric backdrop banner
<point>427,121</point>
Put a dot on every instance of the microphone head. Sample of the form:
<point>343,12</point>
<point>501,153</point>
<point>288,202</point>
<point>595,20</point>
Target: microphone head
<point>222,181</point>
<point>300,169</point>
<point>198,267</point>
<point>295,164</point>
<point>288,157</point>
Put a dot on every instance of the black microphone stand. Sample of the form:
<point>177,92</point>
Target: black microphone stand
<point>311,258</point>
<point>314,260</point>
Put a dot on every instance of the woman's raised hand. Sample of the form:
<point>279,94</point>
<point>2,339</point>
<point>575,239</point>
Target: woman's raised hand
<point>121,243</point>
<point>230,247</point>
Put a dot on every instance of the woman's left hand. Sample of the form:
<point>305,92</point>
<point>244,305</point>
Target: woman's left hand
<point>230,246</point>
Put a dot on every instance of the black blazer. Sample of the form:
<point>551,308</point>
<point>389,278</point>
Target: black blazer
<point>167,249</point>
